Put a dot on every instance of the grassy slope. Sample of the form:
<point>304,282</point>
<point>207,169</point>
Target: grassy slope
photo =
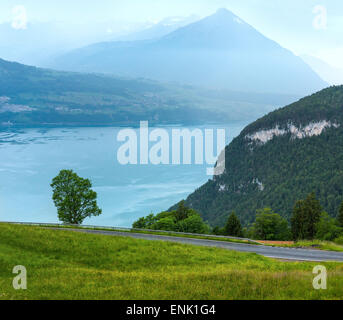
<point>318,244</point>
<point>66,265</point>
<point>163,233</point>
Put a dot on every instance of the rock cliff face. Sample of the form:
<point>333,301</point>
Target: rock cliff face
<point>310,130</point>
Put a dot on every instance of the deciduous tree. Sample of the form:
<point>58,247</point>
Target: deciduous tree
<point>74,198</point>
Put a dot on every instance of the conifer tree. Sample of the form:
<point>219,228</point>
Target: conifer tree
<point>306,215</point>
<point>233,226</point>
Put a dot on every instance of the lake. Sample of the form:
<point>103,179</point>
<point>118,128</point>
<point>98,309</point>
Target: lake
<point>31,158</point>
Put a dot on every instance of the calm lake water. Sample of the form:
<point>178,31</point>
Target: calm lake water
<point>29,159</point>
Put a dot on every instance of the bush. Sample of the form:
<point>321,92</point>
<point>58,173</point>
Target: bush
<point>270,226</point>
<point>167,224</point>
<point>145,223</point>
<point>339,240</point>
<point>193,224</point>
<point>182,220</point>
<point>327,228</point>
<point>218,231</point>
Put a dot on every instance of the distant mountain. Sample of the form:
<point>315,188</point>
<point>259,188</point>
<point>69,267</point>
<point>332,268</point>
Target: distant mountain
<point>327,72</point>
<point>41,42</point>
<point>159,29</point>
<point>36,43</point>
<point>278,160</point>
<point>220,51</point>
<point>32,96</point>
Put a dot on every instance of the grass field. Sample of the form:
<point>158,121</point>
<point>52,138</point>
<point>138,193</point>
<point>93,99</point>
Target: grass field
<point>306,244</point>
<point>318,244</point>
<point>67,265</point>
<point>162,233</point>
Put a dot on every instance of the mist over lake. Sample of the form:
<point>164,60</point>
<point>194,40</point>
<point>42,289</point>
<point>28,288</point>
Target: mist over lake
<point>30,158</point>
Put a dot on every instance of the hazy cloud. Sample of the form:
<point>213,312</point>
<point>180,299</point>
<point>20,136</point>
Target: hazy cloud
<point>19,21</point>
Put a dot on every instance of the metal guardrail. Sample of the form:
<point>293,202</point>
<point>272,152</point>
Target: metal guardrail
<point>61,225</point>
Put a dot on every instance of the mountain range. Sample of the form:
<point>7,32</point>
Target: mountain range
<point>38,43</point>
<point>220,51</point>
<point>279,159</point>
<point>159,29</point>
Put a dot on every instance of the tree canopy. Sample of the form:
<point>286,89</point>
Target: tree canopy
<point>270,226</point>
<point>74,198</point>
<point>327,228</point>
<point>183,219</point>
<point>285,168</point>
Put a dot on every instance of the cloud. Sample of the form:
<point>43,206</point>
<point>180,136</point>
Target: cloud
<point>19,21</point>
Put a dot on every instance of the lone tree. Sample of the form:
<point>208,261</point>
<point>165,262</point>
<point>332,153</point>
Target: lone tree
<point>233,226</point>
<point>74,198</point>
<point>306,215</point>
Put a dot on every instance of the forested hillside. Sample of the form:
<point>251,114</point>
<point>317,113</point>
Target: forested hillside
<point>32,96</point>
<point>279,159</point>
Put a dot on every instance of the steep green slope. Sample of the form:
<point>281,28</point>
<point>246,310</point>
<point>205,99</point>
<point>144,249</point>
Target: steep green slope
<point>278,159</point>
<point>31,96</point>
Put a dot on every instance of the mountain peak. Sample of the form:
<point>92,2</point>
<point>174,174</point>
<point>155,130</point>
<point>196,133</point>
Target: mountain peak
<point>219,51</point>
<point>222,30</point>
<point>226,19</point>
<point>226,16</point>
<point>224,11</point>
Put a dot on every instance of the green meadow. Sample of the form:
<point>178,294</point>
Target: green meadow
<point>69,265</point>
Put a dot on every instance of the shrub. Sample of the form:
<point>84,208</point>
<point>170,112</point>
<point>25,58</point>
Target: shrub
<point>327,228</point>
<point>183,220</point>
<point>193,224</point>
<point>339,240</point>
<point>270,226</point>
<point>167,224</point>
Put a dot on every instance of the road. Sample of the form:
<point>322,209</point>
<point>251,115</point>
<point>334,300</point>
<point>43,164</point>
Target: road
<point>267,251</point>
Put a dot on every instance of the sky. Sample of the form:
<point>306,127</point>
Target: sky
<point>312,27</point>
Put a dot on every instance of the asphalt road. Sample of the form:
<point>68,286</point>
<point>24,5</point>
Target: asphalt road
<point>267,251</point>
